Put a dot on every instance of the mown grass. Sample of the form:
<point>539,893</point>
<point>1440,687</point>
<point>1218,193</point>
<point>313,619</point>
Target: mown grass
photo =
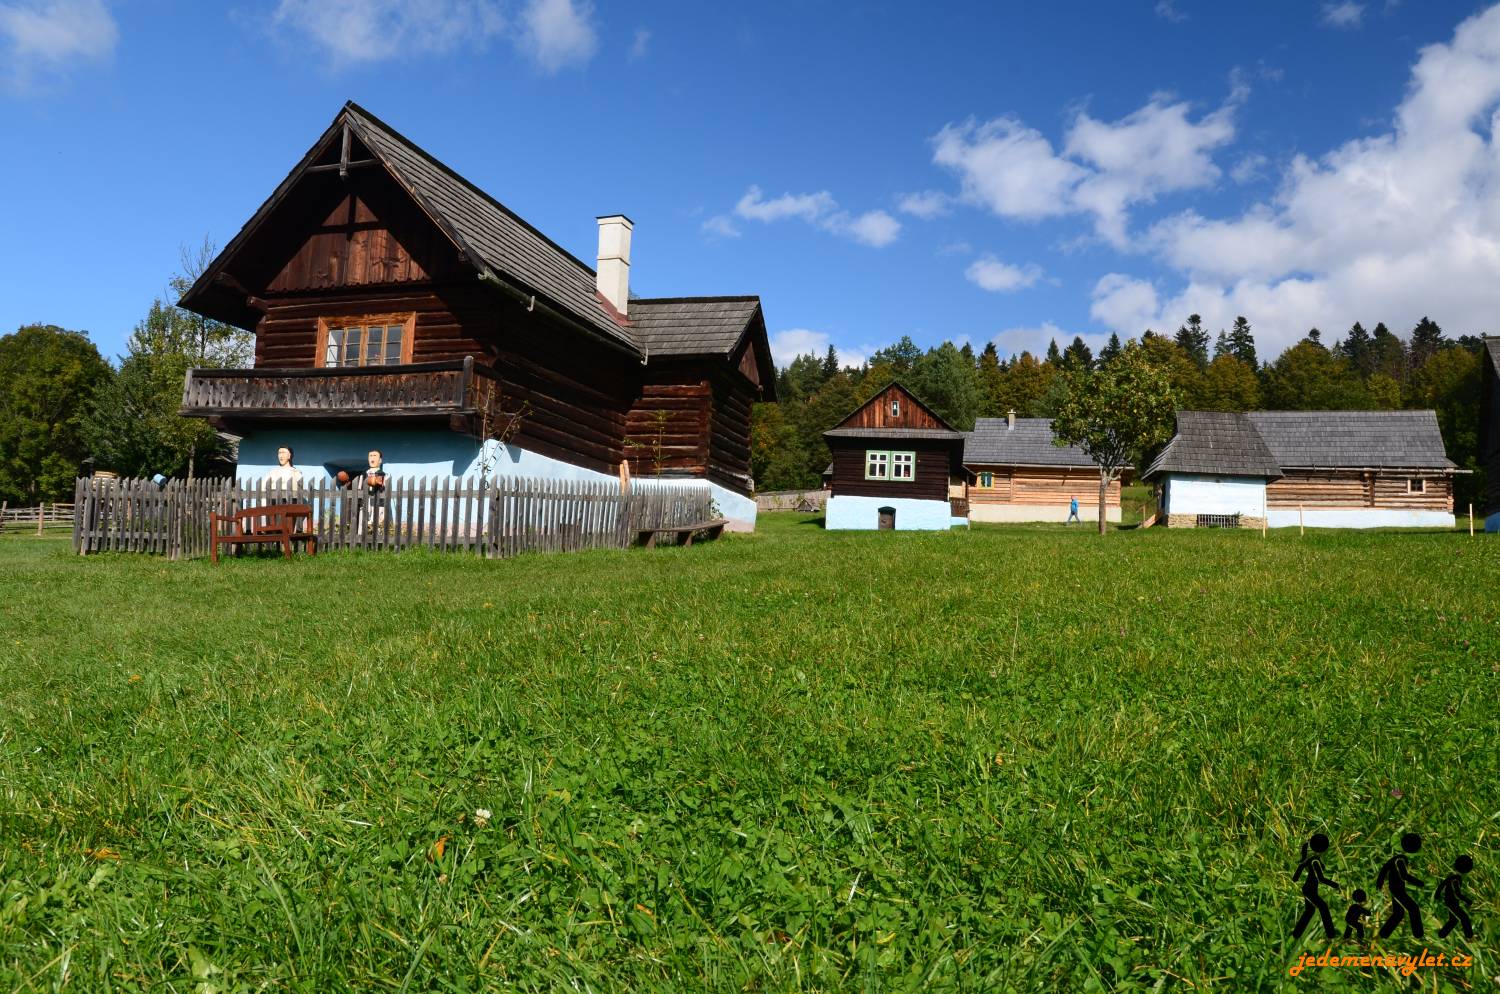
<point>1008,759</point>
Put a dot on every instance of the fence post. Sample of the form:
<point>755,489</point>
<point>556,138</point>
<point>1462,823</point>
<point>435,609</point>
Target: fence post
<point>41,516</point>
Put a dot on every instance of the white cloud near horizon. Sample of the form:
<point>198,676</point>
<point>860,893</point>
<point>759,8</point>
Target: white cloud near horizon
<point>1035,338</point>
<point>989,273</point>
<point>875,228</point>
<point>1386,228</point>
<point>788,344</point>
<point>45,37</point>
<point>1103,169</point>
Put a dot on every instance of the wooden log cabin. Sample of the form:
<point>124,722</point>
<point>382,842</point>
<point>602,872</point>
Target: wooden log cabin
<point>1489,434</point>
<point>1322,469</point>
<point>396,306</point>
<point>1016,472</point>
<point>895,465</point>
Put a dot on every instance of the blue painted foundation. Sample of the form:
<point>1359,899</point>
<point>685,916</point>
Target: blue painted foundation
<point>421,453</point>
<point>863,513</point>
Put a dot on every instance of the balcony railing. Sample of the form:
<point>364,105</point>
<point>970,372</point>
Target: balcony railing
<point>424,390</point>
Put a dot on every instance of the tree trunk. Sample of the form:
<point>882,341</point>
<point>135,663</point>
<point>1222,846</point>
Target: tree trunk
<point>1103,497</point>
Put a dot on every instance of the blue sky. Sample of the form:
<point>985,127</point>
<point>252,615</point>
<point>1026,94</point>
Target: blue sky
<point>975,172</point>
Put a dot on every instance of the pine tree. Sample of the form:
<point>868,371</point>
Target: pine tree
<point>1242,343</point>
<point>1194,340</point>
<point>1078,356</point>
<point>1387,353</point>
<point>1426,342</point>
<point>991,382</point>
<point>830,363</point>
<point>1315,336</point>
<point>1356,348</point>
<point>1053,356</point>
<point>1111,348</point>
<point>1221,345</point>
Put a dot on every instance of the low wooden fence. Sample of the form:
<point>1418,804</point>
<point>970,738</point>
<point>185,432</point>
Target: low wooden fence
<point>497,518</point>
<point>791,500</point>
<point>53,515</point>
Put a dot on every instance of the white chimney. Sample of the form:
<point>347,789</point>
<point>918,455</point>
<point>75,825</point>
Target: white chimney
<point>1010,420</point>
<point>613,275</point>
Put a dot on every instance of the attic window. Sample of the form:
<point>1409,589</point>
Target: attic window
<point>1416,486</point>
<point>375,340</point>
<point>895,407</point>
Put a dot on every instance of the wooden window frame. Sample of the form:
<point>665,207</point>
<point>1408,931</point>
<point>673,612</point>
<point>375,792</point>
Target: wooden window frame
<point>895,407</point>
<point>1416,485</point>
<point>987,480</point>
<point>885,465</point>
<point>407,321</point>
<point>911,462</point>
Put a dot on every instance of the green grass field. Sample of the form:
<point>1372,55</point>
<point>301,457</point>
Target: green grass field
<point>1030,759</point>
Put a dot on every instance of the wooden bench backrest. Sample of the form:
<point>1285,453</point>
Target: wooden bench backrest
<point>276,515</point>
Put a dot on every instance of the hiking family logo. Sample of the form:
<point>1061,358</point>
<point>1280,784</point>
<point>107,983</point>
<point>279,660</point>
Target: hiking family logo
<point>1396,878</point>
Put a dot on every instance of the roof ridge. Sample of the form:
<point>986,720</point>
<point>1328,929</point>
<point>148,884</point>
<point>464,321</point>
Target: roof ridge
<point>693,300</point>
<point>419,150</point>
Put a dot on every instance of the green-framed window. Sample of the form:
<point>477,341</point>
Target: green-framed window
<point>986,479</point>
<point>883,464</point>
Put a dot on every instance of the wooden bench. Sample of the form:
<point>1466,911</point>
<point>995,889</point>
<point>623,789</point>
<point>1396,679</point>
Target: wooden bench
<point>263,525</point>
<point>684,533</point>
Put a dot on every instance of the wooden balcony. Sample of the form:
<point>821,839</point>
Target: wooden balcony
<point>424,393</point>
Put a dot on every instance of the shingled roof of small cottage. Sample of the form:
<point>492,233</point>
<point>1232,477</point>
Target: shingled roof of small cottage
<point>1215,443</point>
<point>1030,443</point>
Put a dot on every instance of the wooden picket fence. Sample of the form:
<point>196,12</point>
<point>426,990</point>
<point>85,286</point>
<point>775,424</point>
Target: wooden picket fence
<point>496,519</point>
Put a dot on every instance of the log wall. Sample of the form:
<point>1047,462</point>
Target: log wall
<point>1039,485</point>
<point>935,462</point>
<point>1355,489</point>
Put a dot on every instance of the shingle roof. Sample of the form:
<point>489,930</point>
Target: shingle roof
<point>994,443</point>
<point>1492,346</point>
<point>1265,443</point>
<point>1352,439</point>
<point>497,238</point>
<point>941,433</point>
<point>1215,443</point>
<point>666,326</point>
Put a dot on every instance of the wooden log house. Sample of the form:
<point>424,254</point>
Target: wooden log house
<point>1323,469</point>
<point>896,464</point>
<point>396,306</point>
<point>1016,472</point>
<point>1489,434</point>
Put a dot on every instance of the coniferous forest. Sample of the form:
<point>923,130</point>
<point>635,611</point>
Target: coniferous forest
<point>1364,369</point>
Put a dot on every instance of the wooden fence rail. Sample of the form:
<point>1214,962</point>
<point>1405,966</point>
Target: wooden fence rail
<point>51,515</point>
<point>496,519</point>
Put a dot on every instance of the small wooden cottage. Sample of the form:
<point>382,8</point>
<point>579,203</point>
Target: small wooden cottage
<point>894,463</point>
<point>1324,469</point>
<point>398,307</point>
<point>1489,434</point>
<point>1016,472</point>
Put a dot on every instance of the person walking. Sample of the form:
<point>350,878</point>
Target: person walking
<point>1396,875</point>
<point>1311,901</point>
<point>1073,512</point>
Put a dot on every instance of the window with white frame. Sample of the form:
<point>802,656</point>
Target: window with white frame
<point>1416,485</point>
<point>877,465</point>
<point>904,466</point>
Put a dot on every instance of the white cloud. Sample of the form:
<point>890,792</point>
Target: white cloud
<point>1035,338</point>
<point>1007,167</point>
<point>926,205</point>
<point>874,228</point>
<point>989,273</point>
<point>558,33</point>
<point>1103,169</point>
<point>47,36</point>
<point>1167,11</point>
<point>1386,228</point>
<point>640,45</point>
<point>789,344</point>
<point>1250,168</point>
<point>371,30</point>
<point>1347,14</point>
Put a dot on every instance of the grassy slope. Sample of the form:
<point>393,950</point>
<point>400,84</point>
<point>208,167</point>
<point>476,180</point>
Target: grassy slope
<point>1015,758</point>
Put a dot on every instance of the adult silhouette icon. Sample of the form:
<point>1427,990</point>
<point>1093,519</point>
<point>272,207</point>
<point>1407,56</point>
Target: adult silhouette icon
<point>1450,893</point>
<point>1396,875</point>
<point>1311,901</point>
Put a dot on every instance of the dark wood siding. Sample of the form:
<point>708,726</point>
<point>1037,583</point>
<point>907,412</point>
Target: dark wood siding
<point>934,468</point>
<point>729,439</point>
<point>667,428</point>
<point>876,413</point>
